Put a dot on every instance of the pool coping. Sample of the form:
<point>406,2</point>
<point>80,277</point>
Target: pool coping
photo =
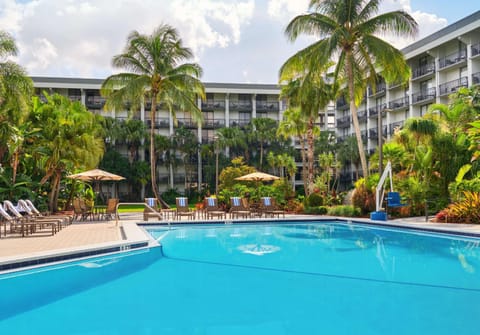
<point>134,237</point>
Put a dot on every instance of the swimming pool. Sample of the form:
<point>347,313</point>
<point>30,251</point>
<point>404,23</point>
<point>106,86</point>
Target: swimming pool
<point>302,278</point>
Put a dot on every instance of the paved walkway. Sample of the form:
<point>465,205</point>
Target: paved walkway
<point>74,235</point>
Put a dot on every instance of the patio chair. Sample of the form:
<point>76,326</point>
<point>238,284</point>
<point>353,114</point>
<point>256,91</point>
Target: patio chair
<point>81,210</point>
<point>212,209</point>
<point>111,210</point>
<point>268,207</point>
<point>151,209</point>
<point>31,221</point>
<point>183,209</point>
<point>239,207</point>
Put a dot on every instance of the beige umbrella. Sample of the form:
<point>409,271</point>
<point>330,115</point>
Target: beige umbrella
<point>257,176</point>
<point>95,175</point>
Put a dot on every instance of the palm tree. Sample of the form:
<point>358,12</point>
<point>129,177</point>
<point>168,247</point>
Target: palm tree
<point>295,124</point>
<point>348,29</point>
<point>158,73</point>
<point>264,132</point>
<point>70,138</point>
<point>16,89</point>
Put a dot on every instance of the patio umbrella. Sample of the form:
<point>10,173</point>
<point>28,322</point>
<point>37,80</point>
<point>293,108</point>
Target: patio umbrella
<point>258,176</point>
<point>96,175</point>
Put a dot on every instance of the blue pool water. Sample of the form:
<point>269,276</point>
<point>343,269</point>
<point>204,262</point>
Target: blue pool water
<point>315,278</point>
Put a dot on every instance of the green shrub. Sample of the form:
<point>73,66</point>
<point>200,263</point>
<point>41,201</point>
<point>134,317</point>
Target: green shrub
<point>170,195</point>
<point>314,200</point>
<point>344,210</point>
<point>319,210</point>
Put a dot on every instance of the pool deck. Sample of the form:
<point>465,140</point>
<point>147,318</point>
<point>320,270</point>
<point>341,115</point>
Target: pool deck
<point>83,237</point>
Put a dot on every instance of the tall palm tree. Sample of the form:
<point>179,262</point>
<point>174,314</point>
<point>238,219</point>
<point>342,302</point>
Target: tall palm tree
<point>264,131</point>
<point>158,72</point>
<point>347,30</point>
<point>16,89</point>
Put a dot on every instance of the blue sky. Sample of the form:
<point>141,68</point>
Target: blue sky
<point>233,40</point>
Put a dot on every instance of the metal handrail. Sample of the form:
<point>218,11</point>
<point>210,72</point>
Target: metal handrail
<point>117,216</point>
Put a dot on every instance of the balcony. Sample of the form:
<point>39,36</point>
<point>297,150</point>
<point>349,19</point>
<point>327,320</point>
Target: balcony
<point>342,103</point>
<point>400,103</point>
<point>475,49</point>
<point>423,71</point>
<point>362,116</point>
<point>213,105</point>
<point>187,123</point>
<point>215,123</point>
<point>159,123</point>
<point>343,122</point>
<point>380,89</point>
<point>94,102</point>
<point>452,86</point>
<point>239,123</point>
<point>476,78</point>
<point>424,96</point>
<point>373,133</point>
<point>452,59</point>
<point>265,106</point>
<point>240,105</point>
<point>373,112</point>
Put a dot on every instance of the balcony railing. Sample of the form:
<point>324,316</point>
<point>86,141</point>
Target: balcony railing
<point>475,49</point>
<point>240,105</point>
<point>373,112</point>
<point>75,97</point>
<point>423,70</point>
<point>267,106</point>
<point>399,103</point>
<point>476,78</point>
<point>187,123</point>
<point>453,86</point>
<point>362,116</point>
<point>451,59</point>
<point>380,88</point>
<point>424,95</point>
<point>94,102</point>
<point>238,122</point>
<point>213,104</point>
<point>373,133</point>
<point>159,123</point>
<point>343,122</point>
<point>215,123</point>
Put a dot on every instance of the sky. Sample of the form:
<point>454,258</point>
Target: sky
<point>234,41</point>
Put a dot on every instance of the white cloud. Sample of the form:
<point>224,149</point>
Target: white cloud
<point>286,9</point>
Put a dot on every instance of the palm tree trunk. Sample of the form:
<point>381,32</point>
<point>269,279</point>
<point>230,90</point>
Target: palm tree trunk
<point>353,111</point>
<point>153,160</point>
<point>310,153</point>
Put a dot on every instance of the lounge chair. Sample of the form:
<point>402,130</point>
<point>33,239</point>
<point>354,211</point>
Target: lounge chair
<point>268,207</point>
<point>151,209</point>
<point>239,208</point>
<point>32,221</point>
<point>16,224</point>
<point>183,209</point>
<point>212,209</point>
<point>28,207</point>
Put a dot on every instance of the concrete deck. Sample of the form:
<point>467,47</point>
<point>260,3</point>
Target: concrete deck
<point>95,235</point>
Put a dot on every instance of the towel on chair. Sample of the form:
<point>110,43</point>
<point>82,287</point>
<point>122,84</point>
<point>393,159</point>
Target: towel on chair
<point>236,201</point>
<point>211,202</point>
<point>182,202</point>
<point>267,201</point>
<point>151,202</point>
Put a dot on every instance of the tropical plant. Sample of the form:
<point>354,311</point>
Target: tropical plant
<point>465,210</point>
<point>70,138</point>
<point>264,131</point>
<point>158,74</point>
<point>348,29</point>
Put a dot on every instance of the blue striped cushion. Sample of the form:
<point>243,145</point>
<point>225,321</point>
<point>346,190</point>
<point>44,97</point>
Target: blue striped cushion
<point>211,202</point>
<point>182,202</point>
<point>236,201</point>
<point>266,201</point>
